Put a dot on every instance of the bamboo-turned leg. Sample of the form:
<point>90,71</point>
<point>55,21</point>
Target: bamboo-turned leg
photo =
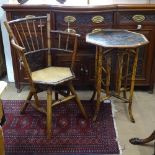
<point>56,96</point>
<point>96,66</point>
<point>119,73</point>
<point>77,100</point>
<point>36,100</point>
<point>108,69</point>
<point>132,85</point>
<point>49,113</point>
<point>2,148</point>
<point>93,95</point>
<point>99,81</point>
<point>22,111</point>
<point>126,75</point>
<point>140,141</point>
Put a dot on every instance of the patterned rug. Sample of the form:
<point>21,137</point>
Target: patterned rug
<point>72,134</point>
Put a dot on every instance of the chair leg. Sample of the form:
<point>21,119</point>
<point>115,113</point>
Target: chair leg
<point>2,148</point>
<point>56,96</point>
<point>77,100</point>
<point>49,113</point>
<point>93,96</point>
<point>98,81</point>
<point>22,111</point>
<point>36,100</point>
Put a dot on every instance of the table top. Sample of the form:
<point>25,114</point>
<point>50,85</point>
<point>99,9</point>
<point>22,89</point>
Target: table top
<point>116,38</point>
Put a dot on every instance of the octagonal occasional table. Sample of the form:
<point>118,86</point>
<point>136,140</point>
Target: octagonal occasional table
<point>124,45</point>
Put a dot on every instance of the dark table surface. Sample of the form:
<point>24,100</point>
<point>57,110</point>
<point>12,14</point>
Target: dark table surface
<point>116,38</point>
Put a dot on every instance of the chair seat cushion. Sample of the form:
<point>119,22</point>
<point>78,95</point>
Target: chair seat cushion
<point>52,75</point>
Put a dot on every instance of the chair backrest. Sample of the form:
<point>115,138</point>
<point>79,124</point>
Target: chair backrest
<point>29,32</point>
<point>35,42</point>
<point>30,37</point>
<point>63,42</point>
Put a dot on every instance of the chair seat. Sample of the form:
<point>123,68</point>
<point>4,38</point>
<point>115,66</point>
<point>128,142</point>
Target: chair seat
<point>52,75</point>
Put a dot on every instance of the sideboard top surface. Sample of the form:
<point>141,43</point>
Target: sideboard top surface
<point>84,5</point>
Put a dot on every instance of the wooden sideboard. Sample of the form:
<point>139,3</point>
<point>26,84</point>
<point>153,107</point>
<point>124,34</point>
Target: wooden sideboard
<point>85,19</point>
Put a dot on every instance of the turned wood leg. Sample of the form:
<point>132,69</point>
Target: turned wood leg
<point>56,96</point>
<point>126,72</point>
<point>132,85</point>
<point>139,141</point>
<point>49,113</point>
<point>93,96</point>
<point>119,73</point>
<point>77,100</point>
<point>98,82</point>
<point>22,111</point>
<point>2,148</point>
<point>108,70</point>
<point>96,67</point>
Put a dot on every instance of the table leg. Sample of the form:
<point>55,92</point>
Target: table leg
<point>96,66</point>
<point>126,73</point>
<point>108,70</point>
<point>98,81</point>
<point>119,73</point>
<point>140,141</point>
<point>132,85</point>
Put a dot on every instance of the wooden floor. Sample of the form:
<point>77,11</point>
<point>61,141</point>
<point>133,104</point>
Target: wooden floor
<point>143,111</point>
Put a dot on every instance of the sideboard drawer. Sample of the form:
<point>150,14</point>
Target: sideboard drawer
<point>83,23</point>
<point>23,14</point>
<point>136,17</point>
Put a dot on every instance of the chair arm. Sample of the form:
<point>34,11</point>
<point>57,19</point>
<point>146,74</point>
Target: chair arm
<point>16,45</point>
<point>64,32</point>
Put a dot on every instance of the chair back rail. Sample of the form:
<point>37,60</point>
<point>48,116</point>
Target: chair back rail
<point>30,32</point>
<point>32,35</point>
<point>64,42</point>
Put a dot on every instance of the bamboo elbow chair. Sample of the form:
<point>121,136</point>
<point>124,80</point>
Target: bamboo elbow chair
<point>34,41</point>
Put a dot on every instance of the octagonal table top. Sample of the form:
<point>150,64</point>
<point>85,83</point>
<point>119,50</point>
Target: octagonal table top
<point>116,38</point>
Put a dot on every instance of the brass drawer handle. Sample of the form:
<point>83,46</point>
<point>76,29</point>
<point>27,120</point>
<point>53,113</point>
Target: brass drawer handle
<point>97,19</point>
<point>96,30</point>
<point>69,19</point>
<point>138,18</point>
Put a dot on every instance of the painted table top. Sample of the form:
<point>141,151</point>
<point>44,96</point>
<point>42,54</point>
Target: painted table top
<point>115,38</point>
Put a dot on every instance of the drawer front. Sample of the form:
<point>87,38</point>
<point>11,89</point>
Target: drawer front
<point>136,17</point>
<point>23,14</point>
<point>83,23</point>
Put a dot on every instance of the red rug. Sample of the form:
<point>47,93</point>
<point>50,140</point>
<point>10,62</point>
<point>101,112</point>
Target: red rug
<point>26,134</point>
